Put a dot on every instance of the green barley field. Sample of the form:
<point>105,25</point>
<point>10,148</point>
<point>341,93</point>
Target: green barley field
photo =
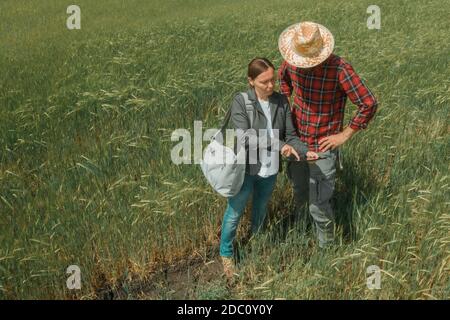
<point>86,178</point>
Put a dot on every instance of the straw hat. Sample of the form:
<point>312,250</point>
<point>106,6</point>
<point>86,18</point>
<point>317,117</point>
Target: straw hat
<point>305,44</point>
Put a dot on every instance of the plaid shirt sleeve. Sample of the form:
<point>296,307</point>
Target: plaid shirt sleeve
<point>359,94</point>
<point>285,80</point>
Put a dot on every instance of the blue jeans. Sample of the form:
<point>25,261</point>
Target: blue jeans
<point>262,189</point>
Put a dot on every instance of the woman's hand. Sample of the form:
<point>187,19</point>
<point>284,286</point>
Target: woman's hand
<point>288,150</point>
<point>310,155</point>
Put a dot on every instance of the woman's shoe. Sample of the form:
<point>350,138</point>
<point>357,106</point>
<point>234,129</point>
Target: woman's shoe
<point>228,267</point>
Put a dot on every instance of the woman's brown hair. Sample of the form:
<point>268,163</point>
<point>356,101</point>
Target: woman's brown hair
<point>258,66</point>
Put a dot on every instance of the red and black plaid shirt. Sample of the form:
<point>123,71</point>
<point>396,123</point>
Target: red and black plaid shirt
<point>320,94</point>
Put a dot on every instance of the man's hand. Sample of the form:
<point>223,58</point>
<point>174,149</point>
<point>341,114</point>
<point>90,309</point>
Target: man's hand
<point>288,150</point>
<point>335,140</point>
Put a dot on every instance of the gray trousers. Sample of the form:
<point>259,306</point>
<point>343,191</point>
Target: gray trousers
<point>313,185</point>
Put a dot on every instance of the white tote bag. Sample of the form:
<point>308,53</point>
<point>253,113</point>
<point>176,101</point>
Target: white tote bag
<point>223,169</point>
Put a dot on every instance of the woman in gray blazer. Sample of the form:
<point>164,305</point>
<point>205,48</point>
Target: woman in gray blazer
<point>260,109</point>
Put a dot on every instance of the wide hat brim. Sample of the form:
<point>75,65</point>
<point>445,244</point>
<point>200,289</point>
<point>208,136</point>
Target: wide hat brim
<point>293,58</point>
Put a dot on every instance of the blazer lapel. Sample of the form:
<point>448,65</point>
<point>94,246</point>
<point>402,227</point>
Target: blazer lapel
<point>273,103</point>
<point>252,97</point>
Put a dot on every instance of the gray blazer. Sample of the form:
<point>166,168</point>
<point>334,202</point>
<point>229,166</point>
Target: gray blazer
<point>281,120</point>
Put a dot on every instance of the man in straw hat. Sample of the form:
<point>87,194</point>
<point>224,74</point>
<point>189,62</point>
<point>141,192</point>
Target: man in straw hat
<point>321,82</point>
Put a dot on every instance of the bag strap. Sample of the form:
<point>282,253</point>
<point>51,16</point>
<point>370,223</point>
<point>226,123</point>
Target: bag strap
<point>249,108</point>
